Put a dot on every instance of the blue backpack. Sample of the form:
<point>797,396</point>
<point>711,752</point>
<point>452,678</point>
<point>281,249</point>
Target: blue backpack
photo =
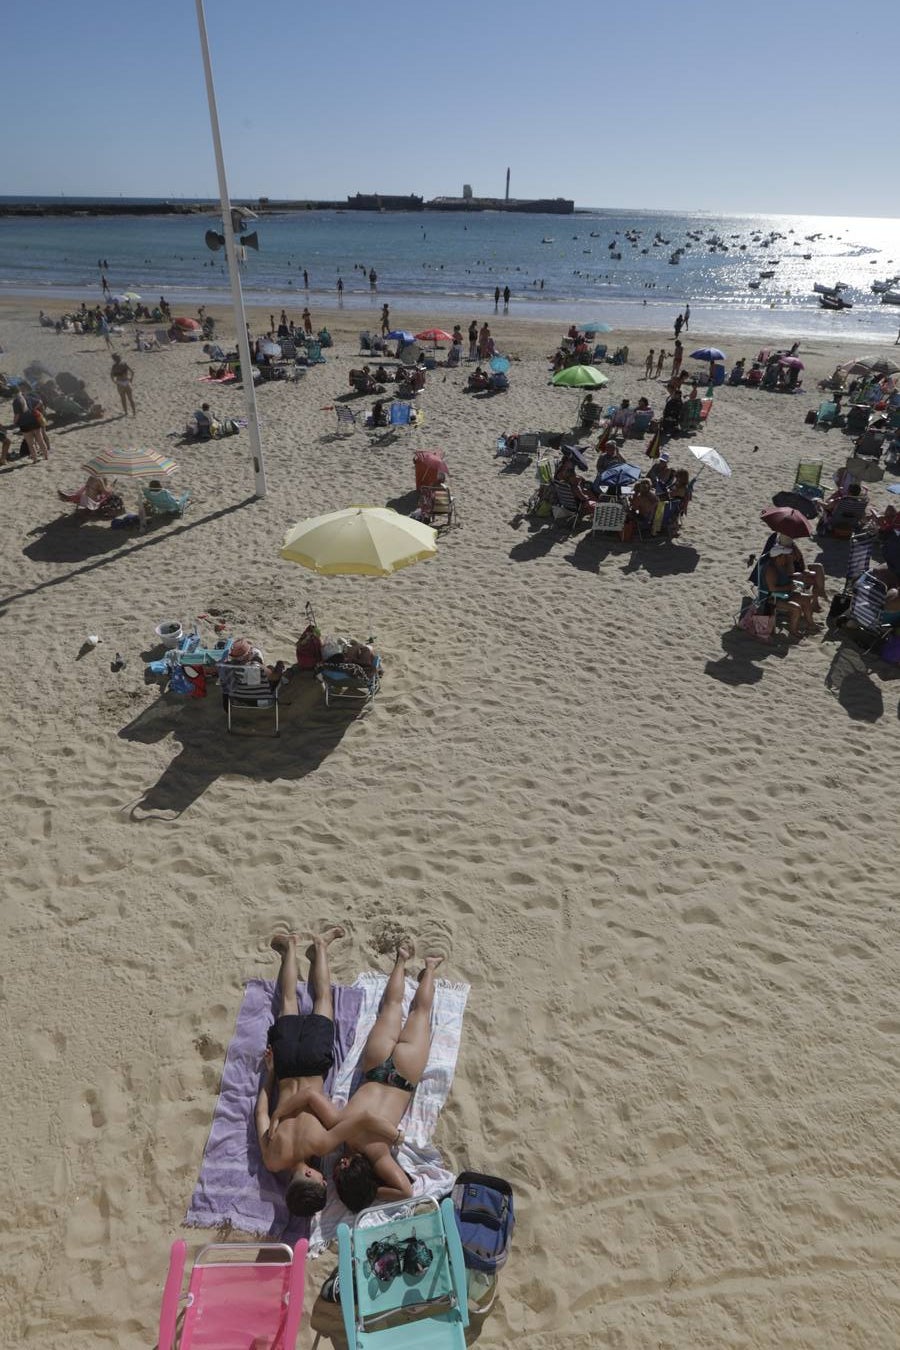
<point>485,1217</point>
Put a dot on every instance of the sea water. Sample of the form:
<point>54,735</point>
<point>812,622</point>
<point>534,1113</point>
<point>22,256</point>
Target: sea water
<point>447,265</point>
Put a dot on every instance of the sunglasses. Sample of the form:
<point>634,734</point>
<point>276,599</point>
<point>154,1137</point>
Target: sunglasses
<point>389,1259</point>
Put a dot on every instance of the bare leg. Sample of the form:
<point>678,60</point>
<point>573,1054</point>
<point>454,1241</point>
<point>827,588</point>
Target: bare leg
<point>411,1050</point>
<point>320,975</point>
<point>287,975</point>
<point>389,1023</point>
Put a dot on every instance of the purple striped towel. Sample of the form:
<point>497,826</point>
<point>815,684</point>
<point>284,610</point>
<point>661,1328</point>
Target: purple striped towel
<point>234,1187</point>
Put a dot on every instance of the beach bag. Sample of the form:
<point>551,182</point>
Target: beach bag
<point>309,648</point>
<point>756,622</point>
<point>485,1217</point>
<point>811,417</point>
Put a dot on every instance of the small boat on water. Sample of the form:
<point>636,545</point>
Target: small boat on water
<point>766,275</point>
<point>754,285</point>
<point>830,296</point>
<point>890,297</point>
<point>547,240</point>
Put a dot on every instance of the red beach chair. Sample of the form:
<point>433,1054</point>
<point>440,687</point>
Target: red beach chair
<point>239,1295</point>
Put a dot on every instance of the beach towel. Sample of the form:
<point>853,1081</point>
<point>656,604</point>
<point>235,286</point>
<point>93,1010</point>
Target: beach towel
<point>234,1187</point>
<point>417,1155</point>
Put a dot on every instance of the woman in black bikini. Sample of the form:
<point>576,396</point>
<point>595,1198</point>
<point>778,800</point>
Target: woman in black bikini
<point>393,1062</point>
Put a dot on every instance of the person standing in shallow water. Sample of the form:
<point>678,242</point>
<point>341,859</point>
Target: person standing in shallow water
<point>340,290</point>
<point>687,317</point>
<point>496,298</point>
<point>506,294</point>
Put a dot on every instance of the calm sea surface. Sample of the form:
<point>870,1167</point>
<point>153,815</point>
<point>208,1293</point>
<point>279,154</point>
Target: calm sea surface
<point>447,266</point>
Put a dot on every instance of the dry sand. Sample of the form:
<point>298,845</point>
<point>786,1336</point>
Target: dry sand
<point>660,852</point>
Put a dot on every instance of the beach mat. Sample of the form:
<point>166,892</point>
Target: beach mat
<point>417,1155</point>
<point>234,1188</point>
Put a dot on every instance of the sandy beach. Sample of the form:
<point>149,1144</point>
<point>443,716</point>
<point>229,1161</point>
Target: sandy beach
<point>658,851</point>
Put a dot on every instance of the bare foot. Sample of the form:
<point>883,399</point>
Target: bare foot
<point>432,962</point>
<point>329,935</point>
<point>281,941</point>
<point>406,949</point>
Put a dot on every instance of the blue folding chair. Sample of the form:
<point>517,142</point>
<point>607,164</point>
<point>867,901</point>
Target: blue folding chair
<point>402,414</point>
<point>423,1310</point>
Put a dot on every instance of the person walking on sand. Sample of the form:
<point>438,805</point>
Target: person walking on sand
<point>298,1057</point>
<point>648,365</point>
<point>385,319</point>
<point>393,1062</point>
<point>307,321</point>
<point>122,376</point>
<point>659,361</point>
<point>103,329</point>
<point>676,358</point>
<point>473,340</point>
<point>679,324</point>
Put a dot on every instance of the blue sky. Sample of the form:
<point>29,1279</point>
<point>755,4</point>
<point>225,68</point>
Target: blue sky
<point>728,107</point>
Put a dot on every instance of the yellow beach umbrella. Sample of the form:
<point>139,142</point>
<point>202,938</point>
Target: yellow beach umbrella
<point>367,541</point>
<point>360,541</point>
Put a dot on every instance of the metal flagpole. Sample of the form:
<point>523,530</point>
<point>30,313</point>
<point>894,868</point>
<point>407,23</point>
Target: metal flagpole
<point>259,468</point>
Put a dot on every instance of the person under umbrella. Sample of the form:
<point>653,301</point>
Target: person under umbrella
<point>776,574</point>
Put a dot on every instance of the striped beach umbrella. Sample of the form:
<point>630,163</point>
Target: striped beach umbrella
<point>130,464</point>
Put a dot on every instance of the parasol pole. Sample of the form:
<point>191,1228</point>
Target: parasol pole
<point>243,341</point>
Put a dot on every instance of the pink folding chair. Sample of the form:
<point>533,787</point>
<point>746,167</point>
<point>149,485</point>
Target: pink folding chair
<point>239,1295</point>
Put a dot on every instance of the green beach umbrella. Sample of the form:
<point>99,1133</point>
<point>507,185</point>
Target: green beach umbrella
<point>580,377</point>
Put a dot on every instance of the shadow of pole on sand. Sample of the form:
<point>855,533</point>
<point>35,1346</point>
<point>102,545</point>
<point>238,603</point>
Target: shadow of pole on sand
<point>87,544</point>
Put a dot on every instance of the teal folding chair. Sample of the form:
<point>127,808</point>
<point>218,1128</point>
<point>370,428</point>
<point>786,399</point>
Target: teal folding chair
<point>411,1311</point>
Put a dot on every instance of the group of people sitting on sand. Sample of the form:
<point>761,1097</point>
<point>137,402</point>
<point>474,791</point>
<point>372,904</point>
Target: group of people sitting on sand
<point>661,483</point>
<point>298,1126</point>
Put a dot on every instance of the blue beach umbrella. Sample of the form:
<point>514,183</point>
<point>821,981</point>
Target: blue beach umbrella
<point>597,328</point>
<point>619,475</point>
<point>500,364</point>
<point>400,335</point>
<point>708,354</point>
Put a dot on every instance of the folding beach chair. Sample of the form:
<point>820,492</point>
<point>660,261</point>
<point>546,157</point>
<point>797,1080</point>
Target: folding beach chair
<point>808,478</point>
<point>857,419</point>
<point>246,686</point>
<point>826,414</point>
<point>314,355</point>
<point>402,1278</point>
<point>239,1295</point>
<point>402,415</point>
<point>347,420</point>
<point>609,518</point>
<point>349,684</point>
<point>161,502</point>
<point>522,446</point>
<point>866,609</point>
<point>162,338</point>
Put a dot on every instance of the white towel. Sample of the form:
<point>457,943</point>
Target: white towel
<point>417,1155</point>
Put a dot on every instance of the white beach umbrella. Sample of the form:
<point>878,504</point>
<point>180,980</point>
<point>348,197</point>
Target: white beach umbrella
<point>711,459</point>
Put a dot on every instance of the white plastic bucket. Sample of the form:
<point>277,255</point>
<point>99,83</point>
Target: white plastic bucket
<point>169,633</point>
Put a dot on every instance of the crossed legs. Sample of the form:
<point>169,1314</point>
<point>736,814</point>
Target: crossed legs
<point>407,1043</point>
